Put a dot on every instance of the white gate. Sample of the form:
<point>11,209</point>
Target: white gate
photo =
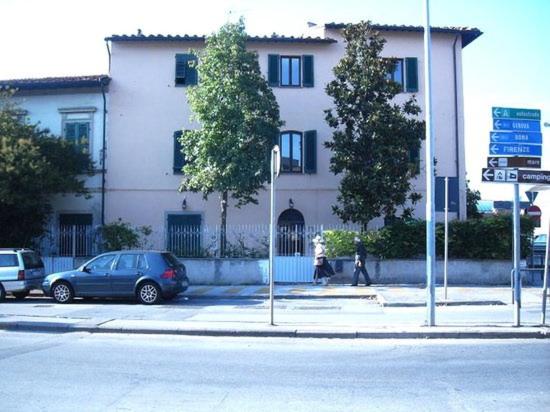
<point>293,269</point>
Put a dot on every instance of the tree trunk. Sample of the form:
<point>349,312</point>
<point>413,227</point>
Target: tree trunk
<point>223,228</point>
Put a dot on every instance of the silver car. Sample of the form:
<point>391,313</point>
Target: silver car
<point>150,276</point>
<point>21,270</point>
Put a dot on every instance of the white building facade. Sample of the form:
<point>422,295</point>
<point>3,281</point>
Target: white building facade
<point>148,106</point>
<point>73,108</point>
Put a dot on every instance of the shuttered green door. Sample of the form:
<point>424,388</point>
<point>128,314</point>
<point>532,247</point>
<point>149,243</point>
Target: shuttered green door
<point>310,152</point>
<point>307,69</point>
<point>273,70</point>
<point>411,70</point>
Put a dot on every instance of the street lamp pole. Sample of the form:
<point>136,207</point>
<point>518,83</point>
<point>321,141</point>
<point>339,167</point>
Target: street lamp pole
<point>430,189</point>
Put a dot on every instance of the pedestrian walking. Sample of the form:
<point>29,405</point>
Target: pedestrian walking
<point>360,261</point>
<point>323,270</point>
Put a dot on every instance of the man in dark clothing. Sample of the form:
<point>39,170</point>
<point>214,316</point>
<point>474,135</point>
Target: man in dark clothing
<point>360,260</point>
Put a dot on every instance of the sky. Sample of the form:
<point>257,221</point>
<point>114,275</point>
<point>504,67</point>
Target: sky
<point>509,65</point>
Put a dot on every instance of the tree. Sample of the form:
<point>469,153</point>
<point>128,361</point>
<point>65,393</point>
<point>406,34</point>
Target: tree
<point>376,140</point>
<point>34,165</point>
<point>472,198</point>
<point>239,120</point>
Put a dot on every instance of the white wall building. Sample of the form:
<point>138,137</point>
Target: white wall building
<point>148,105</point>
<point>73,108</point>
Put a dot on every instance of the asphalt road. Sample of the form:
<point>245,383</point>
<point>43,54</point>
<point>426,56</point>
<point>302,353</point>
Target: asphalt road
<point>68,372</point>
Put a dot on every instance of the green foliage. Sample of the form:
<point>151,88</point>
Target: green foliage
<point>239,120</point>
<point>34,165</point>
<point>487,238</point>
<point>472,197</point>
<point>121,235</point>
<point>373,135</point>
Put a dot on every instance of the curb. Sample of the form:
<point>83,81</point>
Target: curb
<point>384,303</point>
<point>57,327</point>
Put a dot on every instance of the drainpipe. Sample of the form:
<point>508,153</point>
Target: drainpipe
<point>457,162</point>
<point>109,53</point>
<point>102,84</point>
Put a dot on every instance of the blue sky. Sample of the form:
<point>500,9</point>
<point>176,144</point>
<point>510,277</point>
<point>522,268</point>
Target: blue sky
<point>509,65</point>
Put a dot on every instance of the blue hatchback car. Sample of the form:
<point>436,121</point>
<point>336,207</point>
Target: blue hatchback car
<point>150,276</point>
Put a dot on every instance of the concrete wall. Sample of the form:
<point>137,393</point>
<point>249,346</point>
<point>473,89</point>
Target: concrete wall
<point>251,271</point>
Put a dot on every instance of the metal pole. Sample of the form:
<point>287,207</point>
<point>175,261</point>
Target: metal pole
<point>430,190</point>
<point>446,257</point>
<point>517,273</point>
<point>271,237</point>
<point>545,281</point>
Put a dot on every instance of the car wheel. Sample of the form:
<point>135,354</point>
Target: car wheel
<point>148,293</point>
<point>21,295</point>
<point>62,292</point>
<point>2,293</point>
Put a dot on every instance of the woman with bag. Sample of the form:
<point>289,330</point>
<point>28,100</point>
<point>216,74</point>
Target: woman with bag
<point>323,270</point>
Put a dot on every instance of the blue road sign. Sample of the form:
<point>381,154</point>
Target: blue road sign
<point>516,125</point>
<point>514,113</point>
<point>516,137</point>
<point>512,149</point>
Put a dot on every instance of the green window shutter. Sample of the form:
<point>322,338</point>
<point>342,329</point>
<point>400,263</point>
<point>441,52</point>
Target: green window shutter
<point>186,72</point>
<point>411,70</point>
<point>179,157</point>
<point>307,71</point>
<point>310,152</point>
<point>273,70</point>
<point>70,131</point>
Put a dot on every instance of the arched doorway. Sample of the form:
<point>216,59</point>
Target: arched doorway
<point>290,233</point>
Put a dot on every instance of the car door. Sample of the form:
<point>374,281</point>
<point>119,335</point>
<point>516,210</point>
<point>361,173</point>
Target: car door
<point>95,279</point>
<point>128,269</point>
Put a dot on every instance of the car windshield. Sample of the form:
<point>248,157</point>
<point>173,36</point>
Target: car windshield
<point>32,261</point>
<point>7,260</point>
<point>171,260</point>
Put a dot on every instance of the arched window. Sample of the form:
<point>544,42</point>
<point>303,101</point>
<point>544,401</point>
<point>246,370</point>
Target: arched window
<point>290,233</point>
<point>291,152</point>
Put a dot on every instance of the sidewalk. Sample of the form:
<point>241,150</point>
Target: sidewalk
<point>337,311</point>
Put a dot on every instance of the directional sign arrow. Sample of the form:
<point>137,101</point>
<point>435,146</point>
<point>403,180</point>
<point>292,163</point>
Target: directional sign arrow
<point>496,112</point>
<point>492,162</point>
<point>488,175</point>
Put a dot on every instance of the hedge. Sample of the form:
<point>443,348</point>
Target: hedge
<point>486,238</point>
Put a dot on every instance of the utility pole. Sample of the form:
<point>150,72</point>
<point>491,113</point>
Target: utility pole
<point>430,190</point>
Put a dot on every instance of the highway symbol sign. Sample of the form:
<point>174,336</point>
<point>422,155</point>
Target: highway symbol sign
<point>513,149</point>
<point>511,175</point>
<point>512,113</point>
<point>499,161</point>
<point>516,125</point>
<point>500,175</point>
<point>516,137</point>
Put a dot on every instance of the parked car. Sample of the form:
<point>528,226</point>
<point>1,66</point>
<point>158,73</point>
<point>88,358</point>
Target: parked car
<point>150,276</point>
<point>21,270</point>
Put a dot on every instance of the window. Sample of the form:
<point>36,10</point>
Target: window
<point>179,157</point>
<point>127,261</point>
<point>77,126</point>
<point>405,73</point>
<point>101,263</point>
<point>75,234</point>
<point>291,152</point>
<point>397,74</point>
<point>290,71</point>
<point>186,71</point>
<point>7,260</point>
